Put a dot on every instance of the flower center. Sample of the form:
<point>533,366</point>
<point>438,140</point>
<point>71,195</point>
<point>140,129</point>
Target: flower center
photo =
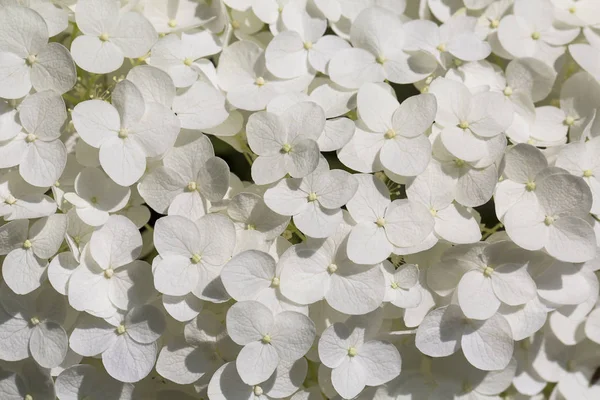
<point>494,23</point>
<point>308,45</point>
<point>441,47</point>
<point>266,339</point>
<point>331,268</point>
<point>352,351</point>
<point>390,134</point>
<point>459,163</point>
<point>433,212</point>
<point>188,61</point>
<point>108,273</point>
<point>275,282</point>
<point>250,227</point>
<point>172,23</point>
<point>30,60</point>
<point>312,196</point>
<point>30,138</point>
<point>569,121</point>
<point>192,186</point>
<point>286,148</point>
<point>508,91</point>
<point>103,37</point>
<point>380,222</point>
<point>488,271</point>
<point>549,220</point>
<point>530,186</point>
<point>123,133</point>
<point>28,397</point>
<point>381,60</point>
<point>394,285</point>
<point>260,81</point>
<point>535,35</point>
<point>34,321</point>
<point>94,200</point>
<point>588,173</point>
<point>27,244</point>
<point>573,10</point>
<point>10,200</point>
<point>121,329</point>
<point>196,258</point>
<point>463,125</point>
<point>257,390</point>
<point>235,24</point>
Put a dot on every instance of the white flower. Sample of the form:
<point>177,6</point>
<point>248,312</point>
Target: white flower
<point>268,340</point>
<point>20,200</point>
<point>86,380</point>
<point>301,48</point>
<point>226,383</point>
<point>30,380</point>
<point>285,143</point>
<point>375,57</point>
<point>389,134</point>
<point>127,343</point>
<point>555,220</point>
<point>530,31</point>
<point>173,15</point>
<point>109,36</point>
<point>356,358</point>
<point>27,59</point>
<point>190,178</point>
<point>96,195</point>
<point>37,149</point>
<point>435,188</point>
<point>484,277</point>
<point>187,358</point>
<point>320,269</point>
<point>314,201</point>
<point>445,330</point>
<point>254,275</point>
<point>109,277</point>
<point>126,132</point>
<point>193,254</point>
<point>243,75</point>
<point>456,37</point>
<point>402,287</point>
<point>249,213</point>
<point>580,160</point>
<point>28,250</point>
<point>384,226</point>
<point>176,56</point>
<point>32,326</point>
<point>469,121</point>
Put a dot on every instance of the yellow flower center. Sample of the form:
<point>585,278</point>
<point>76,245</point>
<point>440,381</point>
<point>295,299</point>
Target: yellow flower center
<point>103,37</point>
<point>172,23</point>
<point>588,173</point>
<point>275,282</point>
<point>30,138</point>
<point>108,273</point>
<point>308,45</point>
<point>34,321</point>
<point>266,339</point>
<point>257,390</point>
<point>121,329</point>
<point>260,81</point>
<point>549,220</point>
<point>30,60</point>
<point>488,271</point>
<point>463,125</point>
<point>196,258</point>
<point>123,133</point>
<point>188,61</point>
<point>352,351</point>
<point>286,148</point>
<point>381,60</point>
<point>535,35</point>
<point>380,222</point>
<point>441,47</point>
<point>390,134</point>
<point>312,196</point>
<point>569,121</point>
<point>530,186</point>
<point>331,268</point>
<point>27,244</point>
<point>192,186</point>
<point>508,91</point>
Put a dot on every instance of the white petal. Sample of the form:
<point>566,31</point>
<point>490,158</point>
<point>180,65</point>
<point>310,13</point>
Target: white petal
<point>200,107</point>
<point>48,344</point>
<point>93,55</point>
<point>23,271</point>
<point>54,69</point>
<point>247,274</point>
<point>44,162</point>
<point>571,239</point>
<point>513,285</point>
<point>488,345</point>
<point>129,361</point>
<point>349,378</point>
<point>352,68</point>
<point>117,243</point>
<point>368,244</point>
<point>96,121</point>
<point>286,56</point>
<point>476,296</point>
<point>440,332</point>
<point>256,362</point>
<point>92,336</point>
<point>123,160</point>
<point>304,278</point>
<point>249,321</point>
<point>380,360</point>
<point>14,76</point>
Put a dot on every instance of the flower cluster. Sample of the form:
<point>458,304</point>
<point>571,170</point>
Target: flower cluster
<point>299,199</point>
